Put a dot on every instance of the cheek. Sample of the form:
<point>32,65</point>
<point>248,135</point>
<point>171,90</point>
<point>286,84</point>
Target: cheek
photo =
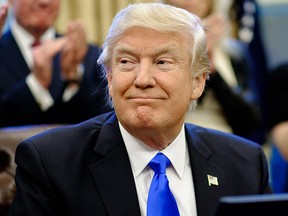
<point>110,85</point>
<point>179,87</point>
<point>119,83</point>
<point>56,11</point>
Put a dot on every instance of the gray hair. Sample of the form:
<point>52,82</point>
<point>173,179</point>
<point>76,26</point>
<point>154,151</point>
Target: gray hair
<point>162,18</point>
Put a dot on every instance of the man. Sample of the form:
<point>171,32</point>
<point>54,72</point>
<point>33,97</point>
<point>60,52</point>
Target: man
<point>57,81</point>
<point>156,65</point>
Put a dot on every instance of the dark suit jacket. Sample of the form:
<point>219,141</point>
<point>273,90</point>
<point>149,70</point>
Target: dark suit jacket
<point>239,105</point>
<point>85,170</point>
<point>276,94</point>
<point>18,106</point>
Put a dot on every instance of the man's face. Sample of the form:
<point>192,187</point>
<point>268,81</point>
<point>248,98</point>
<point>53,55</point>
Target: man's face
<point>198,7</point>
<point>151,81</point>
<point>36,15</point>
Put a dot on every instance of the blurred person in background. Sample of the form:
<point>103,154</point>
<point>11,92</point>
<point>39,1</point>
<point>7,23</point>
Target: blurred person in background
<point>229,102</point>
<point>46,78</point>
<point>271,86</point>
<point>245,17</point>
<point>277,105</point>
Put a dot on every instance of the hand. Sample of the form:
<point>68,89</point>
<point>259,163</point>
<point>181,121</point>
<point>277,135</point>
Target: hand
<point>3,14</point>
<point>43,57</point>
<point>279,134</point>
<point>217,28</point>
<point>74,51</point>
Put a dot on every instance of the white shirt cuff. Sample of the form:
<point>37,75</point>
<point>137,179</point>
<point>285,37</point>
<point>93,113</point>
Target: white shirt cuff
<point>41,95</point>
<point>70,92</point>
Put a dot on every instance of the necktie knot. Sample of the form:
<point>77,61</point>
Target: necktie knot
<point>159,163</point>
<point>36,43</point>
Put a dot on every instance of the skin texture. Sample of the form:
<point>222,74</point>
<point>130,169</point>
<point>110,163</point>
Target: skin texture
<point>151,84</point>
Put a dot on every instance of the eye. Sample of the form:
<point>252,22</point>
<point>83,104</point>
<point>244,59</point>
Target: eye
<point>165,63</point>
<point>162,62</point>
<point>124,61</point>
<point>126,64</point>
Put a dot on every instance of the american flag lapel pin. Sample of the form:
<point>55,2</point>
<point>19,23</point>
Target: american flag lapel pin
<point>212,180</point>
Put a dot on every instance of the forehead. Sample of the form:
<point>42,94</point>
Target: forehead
<point>146,39</point>
<point>26,3</point>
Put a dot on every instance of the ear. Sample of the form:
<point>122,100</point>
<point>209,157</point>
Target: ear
<point>198,83</point>
<point>109,79</point>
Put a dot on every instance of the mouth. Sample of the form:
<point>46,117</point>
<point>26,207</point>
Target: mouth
<point>145,100</point>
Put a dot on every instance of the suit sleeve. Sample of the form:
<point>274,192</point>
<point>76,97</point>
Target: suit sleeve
<point>265,185</point>
<point>34,195</point>
<point>241,114</point>
<point>276,94</point>
<point>18,107</point>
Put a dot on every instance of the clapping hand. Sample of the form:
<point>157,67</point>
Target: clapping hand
<point>43,56</point>
<point>74,51</point>
<point>72,47</point>
<point>3,14</point>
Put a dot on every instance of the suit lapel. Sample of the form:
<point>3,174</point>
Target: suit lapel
<point>16,61</point>
<point>204,163</point>
<point>114,180</point>
<point>112,172</point>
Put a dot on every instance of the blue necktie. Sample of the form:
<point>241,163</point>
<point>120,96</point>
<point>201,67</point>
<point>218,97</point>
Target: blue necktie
<point>161,201</point>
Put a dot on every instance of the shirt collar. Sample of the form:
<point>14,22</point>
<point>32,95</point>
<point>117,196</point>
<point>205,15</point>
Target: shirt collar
<point>140,154</point>
<point>24,38</point>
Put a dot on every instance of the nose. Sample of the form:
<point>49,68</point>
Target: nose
<point>45,2</point>
<point>145,75</point>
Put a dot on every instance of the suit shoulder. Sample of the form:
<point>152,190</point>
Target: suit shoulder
<point>70,134</point>
<point>215,138</point>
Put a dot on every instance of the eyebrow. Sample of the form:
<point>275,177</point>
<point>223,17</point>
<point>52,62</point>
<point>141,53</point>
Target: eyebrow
<point>164,49</point>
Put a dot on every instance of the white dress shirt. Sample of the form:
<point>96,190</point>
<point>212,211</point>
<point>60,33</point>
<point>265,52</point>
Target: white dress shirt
<point>179,173</point>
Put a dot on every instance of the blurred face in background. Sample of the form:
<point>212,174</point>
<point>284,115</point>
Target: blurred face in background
<point>201,8</point>
<point>36,16</point>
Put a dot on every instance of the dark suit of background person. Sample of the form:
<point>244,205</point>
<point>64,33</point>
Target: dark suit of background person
<point>246,18</point>
<point>17,104</point>
<point>89,169</point>
<point>276,98</point>
<point>239,99</point>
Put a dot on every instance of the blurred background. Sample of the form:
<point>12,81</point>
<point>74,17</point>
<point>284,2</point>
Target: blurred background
<point>98,14</point>
<point>273,17</point>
